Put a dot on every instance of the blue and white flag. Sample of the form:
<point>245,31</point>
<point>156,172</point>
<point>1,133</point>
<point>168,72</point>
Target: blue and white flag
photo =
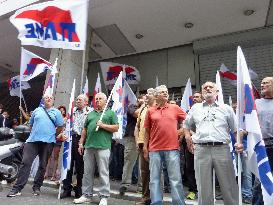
<point>122,97</point>
<point>248,120</point>
<point>187,100</point>
<point>66,157</point>
<point>14,86</point>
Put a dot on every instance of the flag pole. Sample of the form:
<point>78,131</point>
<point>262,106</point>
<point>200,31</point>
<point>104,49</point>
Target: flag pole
<point>213,184</point>
<point>21,88</point>
<point>24,101</point>
<point>108,100</point>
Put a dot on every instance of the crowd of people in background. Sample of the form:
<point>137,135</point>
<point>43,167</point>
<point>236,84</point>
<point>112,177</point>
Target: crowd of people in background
<point>160,138</point>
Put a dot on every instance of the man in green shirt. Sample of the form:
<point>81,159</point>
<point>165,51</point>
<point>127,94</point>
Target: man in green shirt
<point>97,145</point>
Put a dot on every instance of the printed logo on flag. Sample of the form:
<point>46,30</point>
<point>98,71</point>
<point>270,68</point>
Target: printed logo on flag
<point>53,24</point>
<point>31,66</point>
<point>249,100</point>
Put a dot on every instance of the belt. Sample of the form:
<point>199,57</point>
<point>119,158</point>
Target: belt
<point>211,143</point>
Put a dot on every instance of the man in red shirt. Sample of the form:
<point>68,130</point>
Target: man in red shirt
<point>162,143</point>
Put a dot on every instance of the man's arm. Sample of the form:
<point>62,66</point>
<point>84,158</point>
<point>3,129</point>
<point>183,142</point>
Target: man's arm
<point>109,128</point>
<point>146,143</point>
<point>188,138</point>
<point>82,141</point>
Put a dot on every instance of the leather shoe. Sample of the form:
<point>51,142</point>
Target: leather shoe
<point>65,194</point>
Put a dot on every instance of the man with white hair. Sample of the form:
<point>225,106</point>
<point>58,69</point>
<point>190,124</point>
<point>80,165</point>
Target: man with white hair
<point>265,114</point>
<point>46,123</point>
<point>97,145</point>
<point>79,116</point>
<point>213,122</point>
<point>162,143</point>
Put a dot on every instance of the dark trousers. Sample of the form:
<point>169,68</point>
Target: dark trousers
<point>190,171</point>
<point>257,189</point>
<point>77,161</point>
<point>145,176</point>
<point>31,150</point>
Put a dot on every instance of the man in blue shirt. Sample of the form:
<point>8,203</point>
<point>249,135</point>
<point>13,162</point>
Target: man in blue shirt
<point>46,123</point>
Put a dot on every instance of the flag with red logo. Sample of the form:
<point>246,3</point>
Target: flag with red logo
<point>248,120</point>
<point>96,90</point>
<point>232,77</point>
<point>14,86</point>
<point>32,65</point>
<point>51,79</point>
<point>53,24</point>
<point>122,97</point>
<point>187,100</point>
<point>110,72</point>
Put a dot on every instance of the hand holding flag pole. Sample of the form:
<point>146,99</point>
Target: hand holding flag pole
<point>108,100</point>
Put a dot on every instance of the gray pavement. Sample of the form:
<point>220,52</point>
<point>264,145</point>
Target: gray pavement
<point>49,194</point>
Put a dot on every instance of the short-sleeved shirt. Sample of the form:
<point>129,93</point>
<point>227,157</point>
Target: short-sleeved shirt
<point>265,115</point>
<point>42,127</point>
<point>79,119</point>
<point>140,122</point>
<point>100,139</point>
<point>162,122</point>
<point>213,122</point>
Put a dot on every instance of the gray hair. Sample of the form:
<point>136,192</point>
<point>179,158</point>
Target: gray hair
<point>150,91</point>
<point>84,97</point>
<point>101,94</point>
<point>159,89</point>
<point>47,95</point>
<point>214,85</point>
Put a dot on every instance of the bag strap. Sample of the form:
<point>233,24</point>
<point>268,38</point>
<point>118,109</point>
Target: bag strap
<point>138,125</point>
<point>49,116</point>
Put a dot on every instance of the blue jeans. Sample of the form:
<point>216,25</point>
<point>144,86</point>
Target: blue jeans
<point>246,179</point>
<point>172,159</point>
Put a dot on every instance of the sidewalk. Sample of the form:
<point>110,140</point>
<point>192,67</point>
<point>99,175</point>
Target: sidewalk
<point>132,195</point>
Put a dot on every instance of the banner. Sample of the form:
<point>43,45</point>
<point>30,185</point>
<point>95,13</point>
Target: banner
<point>248,120</point>
<point>53,24</point>
<point>14,86</point>
<point>187,100</point>
<point>110,73</point>
<point>32,65</point>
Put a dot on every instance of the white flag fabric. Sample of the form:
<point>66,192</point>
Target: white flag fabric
<point>187,100</point>
<point>14,86</point>
<point>53,24</point>
<point>32,65</point>
<point>220,96</point>
<point>248,119</point>
<point>86,88</point>
<point>122,98</point>
<point>96,90</point>
<point>51,80</point>
<point>66,157</point>
<point>110,72</point>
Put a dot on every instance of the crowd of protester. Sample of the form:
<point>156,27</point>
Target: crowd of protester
<point>160,140</point>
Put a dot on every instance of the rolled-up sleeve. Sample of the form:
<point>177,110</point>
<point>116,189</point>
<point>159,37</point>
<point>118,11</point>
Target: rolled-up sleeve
<point>189,120</point>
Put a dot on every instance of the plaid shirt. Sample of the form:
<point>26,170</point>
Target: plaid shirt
<point>79,120</point>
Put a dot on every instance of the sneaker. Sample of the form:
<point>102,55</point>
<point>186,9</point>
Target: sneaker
<point>103,201</point>
<point>247,200</point>
<point>191,196</point>
<point>36,192</point>
<point>122,190</point>
<point>14,193</point>
<point>81,200</point>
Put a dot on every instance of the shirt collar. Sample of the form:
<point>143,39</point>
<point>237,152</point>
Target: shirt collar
<point>165,106</point>
<point>215,104</point>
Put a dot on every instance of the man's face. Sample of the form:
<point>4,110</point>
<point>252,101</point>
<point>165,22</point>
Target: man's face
<point>267,86</point>
<point>140,101</point>
<point>209,91</point>
<point>197,98</point>
<point>163,95</point>
<point>100,101</point>
<point>80,103</point>
<point>48,101</point>
<point>5,114</point>
<point>149,99</point>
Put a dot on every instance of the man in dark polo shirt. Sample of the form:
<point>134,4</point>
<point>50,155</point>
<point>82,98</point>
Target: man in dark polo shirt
<point>97,145</point>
